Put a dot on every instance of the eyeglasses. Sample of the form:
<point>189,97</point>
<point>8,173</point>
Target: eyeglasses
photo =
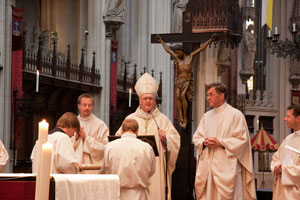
<point>211,94</point>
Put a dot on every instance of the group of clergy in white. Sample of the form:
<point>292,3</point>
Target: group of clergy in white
<point>83,139</point>
<point>224,158</point>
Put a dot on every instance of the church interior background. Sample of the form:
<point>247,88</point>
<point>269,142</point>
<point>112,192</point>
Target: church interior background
<point>78,46</point>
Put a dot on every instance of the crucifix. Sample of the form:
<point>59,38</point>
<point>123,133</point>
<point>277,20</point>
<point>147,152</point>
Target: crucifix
<point>183,58</point>
<point>183,86</point>
<point>228,32</point>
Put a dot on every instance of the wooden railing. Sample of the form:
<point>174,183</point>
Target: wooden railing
<point>126,80</point>
<point>51,65</point>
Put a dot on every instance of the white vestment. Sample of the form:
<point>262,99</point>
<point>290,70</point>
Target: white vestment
<point>147,126</point>
<point>3,157</point>
<point>63,155</point>
<point>287,186</point>
<point>224,172</point>
<point>134,161</point>
<point>91,150</point>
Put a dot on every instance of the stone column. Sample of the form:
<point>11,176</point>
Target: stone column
<point>99,43</point>
<point>2,64</point>
<point>105,96</point>
<point>205,72</point>
<point>2,34</point>
<point>159,21</point>
<point>5,73</point>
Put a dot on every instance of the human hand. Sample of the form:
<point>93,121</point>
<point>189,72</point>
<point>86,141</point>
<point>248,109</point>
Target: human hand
<point>278,169</point>
<point>162,134</point>
<point>82,133</point>
<point>163,138</point>
<point>77,136</point>
<point>214,37</point>
<point>158,38</point>
<point>212,142</point>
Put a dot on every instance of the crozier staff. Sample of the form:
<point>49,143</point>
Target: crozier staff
<point>146,88</point>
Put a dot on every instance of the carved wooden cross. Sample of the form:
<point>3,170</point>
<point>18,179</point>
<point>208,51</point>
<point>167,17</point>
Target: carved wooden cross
<point>185,164</point>
<point>183,85</point>
<point>186,37</point>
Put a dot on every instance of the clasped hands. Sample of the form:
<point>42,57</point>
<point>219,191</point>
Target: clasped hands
<point>81,134</point>
<point>278,169</point>
<point>212,142</point>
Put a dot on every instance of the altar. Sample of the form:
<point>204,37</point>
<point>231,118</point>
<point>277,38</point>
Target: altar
<point>62,186</point>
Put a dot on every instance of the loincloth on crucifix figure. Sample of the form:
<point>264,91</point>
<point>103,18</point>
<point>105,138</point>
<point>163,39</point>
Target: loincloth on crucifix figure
<point>184,81</point>
<point>185,87</point>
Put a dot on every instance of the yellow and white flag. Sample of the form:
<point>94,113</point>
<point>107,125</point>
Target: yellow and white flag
<point>267,13</point>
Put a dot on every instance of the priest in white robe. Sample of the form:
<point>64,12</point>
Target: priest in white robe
<point>224,165</point>
<point>152,122</point>
<point>133,160</point>
<point>285,164</point>
<point>3,157</point>
<point>63,159</point>
<point>90,142</point>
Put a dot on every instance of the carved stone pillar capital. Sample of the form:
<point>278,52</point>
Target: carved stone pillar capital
<point>113,24</point>
<point>294,80</point>
<point>294,73</point>
<point>248,13</point>
<point>221,69</point>
<point>245,75</point>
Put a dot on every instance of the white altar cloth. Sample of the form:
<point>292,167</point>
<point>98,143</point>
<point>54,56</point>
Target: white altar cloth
<point>86,186</point>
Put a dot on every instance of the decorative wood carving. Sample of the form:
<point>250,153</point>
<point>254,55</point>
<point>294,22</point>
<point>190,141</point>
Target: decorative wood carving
<point>58,71</point>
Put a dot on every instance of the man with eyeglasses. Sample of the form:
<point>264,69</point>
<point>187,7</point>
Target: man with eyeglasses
<point>152,122</point>
<point>224,166</point>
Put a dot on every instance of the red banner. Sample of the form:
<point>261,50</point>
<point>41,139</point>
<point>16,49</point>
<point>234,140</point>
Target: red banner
<point>16,63</point>
<point>114,74</point>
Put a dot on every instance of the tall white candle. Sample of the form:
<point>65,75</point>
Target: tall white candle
<point>276,31</point>
<point>45,171</point>
<point>42,138</point>
<point>43,131</point>
<point>130,92</point>
<point>294,27</point>
<point>269,33</point>
<point>37,81</point>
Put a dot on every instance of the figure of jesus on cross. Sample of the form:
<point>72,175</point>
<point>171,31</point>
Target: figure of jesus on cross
<point>184,81</point>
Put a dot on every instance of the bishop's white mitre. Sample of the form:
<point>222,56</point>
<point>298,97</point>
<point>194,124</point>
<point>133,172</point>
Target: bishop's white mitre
<point>146,85</point>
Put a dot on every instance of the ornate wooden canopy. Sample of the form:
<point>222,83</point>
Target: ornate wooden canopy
<point>204,18</point>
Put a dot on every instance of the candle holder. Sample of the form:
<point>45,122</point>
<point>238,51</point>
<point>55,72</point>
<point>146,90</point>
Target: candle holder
<point>284,48</point>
